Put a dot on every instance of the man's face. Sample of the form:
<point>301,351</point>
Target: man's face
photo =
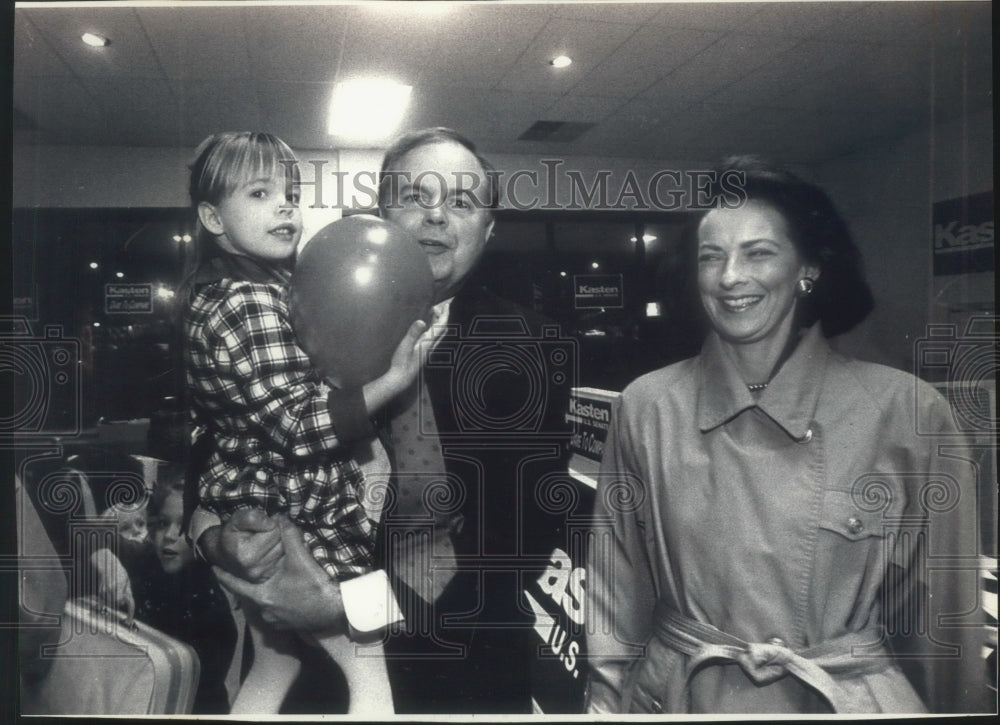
<point>439,185</point>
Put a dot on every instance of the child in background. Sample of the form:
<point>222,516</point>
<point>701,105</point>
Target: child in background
<point>284,440</point>
<point>159,580</point>
<point>182,598</point>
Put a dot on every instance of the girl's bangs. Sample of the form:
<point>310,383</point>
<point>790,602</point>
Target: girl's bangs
<point>256,157</point>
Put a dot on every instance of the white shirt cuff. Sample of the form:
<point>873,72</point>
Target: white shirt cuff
<point>369,603</point>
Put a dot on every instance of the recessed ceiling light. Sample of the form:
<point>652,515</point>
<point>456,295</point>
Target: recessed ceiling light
<point>595,265</point>
<point>93,265</point>
<point>119,275</point>
<point>97,41</point>
<point>561,61</point>
<point>367,111</point>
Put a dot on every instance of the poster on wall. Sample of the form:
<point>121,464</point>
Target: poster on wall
<point>963,235</point>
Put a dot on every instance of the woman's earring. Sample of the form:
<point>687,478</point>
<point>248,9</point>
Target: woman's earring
<point>804,286</point>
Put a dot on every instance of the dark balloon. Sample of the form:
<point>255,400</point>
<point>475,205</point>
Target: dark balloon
<point>358,285</point>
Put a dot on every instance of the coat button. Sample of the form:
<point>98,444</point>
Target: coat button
<point>777,642</point>
<point>855,524</point>
<point>807,437</point>
<point>656,706</point>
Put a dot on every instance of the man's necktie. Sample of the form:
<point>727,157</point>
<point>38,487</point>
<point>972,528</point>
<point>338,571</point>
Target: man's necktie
<point>420,511</point>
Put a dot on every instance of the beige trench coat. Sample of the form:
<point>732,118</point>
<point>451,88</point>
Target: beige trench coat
<point>784,523</point>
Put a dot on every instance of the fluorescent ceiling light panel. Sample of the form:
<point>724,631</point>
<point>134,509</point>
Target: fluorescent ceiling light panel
<point>364,112</point>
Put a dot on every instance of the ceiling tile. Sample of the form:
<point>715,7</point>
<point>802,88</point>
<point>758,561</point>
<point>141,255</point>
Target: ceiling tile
<point>649,54</point>
<point>881,22</point>
<point>684,86</point>
<point>62,108</point>
<point>661,80</point>
<point>619,135</point>
<point>32,54</point>
<point>215,105</point>
<point>706,16</point>
<point>188,43</point>
<point>638,12</point>
<point>807,66</point>
<point>587,43</point>
<point>797,19</point>
<point>731,58</point>
<point>826,134</point>
<point>472,111</point>
<point>143,114</point>
<point>574,107</point>
<point>296,44</point>
<point>296,112</point>
<point>129,54</point>
<point>497,42</point>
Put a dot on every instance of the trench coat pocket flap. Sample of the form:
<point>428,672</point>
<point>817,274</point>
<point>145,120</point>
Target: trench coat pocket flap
<point>856,520</point>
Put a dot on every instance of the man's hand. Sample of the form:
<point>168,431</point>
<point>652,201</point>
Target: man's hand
<point>248,545</point>
<point>299,594</point>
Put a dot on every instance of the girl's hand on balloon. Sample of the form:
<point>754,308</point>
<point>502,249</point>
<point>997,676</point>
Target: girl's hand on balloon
<point>406,361</point>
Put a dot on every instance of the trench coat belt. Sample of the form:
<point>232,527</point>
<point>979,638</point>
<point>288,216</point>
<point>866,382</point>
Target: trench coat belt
<point>854,653</point>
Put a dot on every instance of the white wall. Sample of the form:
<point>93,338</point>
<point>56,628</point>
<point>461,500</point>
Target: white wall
<point>887,196</point>
<point>121,177</point>
<point>70,176</point>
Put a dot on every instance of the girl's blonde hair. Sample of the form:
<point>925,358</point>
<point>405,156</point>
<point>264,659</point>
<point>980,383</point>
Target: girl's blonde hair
<point>222,162</point>
<point>225,160</point>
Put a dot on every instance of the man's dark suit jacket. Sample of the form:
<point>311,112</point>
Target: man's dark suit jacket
<point>499,381</point>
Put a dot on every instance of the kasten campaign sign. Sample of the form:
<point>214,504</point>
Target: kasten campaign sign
<point>590,415</point>
<point>597,290</point>
<point>963,235</point>
<point>556,597</point>
<point>128,298</point>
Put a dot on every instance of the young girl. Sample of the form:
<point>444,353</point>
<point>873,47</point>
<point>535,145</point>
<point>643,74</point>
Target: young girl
<point>283,438</point>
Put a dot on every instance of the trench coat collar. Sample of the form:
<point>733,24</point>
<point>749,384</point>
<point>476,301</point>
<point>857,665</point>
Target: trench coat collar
<point>790,398</point>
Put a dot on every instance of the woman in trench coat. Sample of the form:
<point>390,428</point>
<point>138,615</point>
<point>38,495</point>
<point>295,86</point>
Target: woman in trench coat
<point>780,528</point>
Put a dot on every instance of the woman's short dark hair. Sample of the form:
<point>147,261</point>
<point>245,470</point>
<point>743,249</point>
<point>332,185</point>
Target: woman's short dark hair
<point>425,137</point>
<point>841,297</point>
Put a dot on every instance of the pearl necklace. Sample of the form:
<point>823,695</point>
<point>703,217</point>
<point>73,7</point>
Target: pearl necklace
<point>756,387</point>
